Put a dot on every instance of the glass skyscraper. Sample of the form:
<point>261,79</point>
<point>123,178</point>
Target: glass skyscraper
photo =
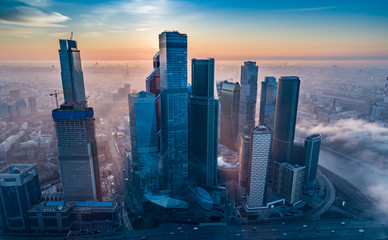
<point>230,102</point>
<point>174,112</point>
<point>312,146</point>
<point>144,142</point>
<point>285,118</point>
<point>74,124</point>
<point>268,102</point>
<point>203,124</point>
<point>153,86</point>
<point>248,98</point>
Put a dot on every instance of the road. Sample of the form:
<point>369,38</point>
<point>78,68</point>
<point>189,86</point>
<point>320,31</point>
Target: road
<point>290,230</point>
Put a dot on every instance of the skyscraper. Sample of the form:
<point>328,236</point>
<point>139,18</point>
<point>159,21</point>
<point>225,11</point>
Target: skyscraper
<point>230,102</point>
<point>258,163</point>
<point>74,124</point>
<point>248,97</point>
<point>268,102</point>
<point>285,118</point>
<point>22,107</point>
<point>386,92</point>
<point>144,141</point>
<point>4,110</point>
<point>245,149</point>
<point>19,190</point>
<point>174,111</point>
<point>203,124</point>
<point>312,145</point>
<point>153,86</point>
<point>32,105</point>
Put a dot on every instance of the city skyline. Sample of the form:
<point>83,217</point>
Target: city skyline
<point>125,30</point>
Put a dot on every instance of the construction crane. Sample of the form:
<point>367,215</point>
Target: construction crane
<point>55,94</point>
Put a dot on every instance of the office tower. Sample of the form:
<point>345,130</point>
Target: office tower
<point>22,108</point>
<point>203,124</point>
<point>248,97</point>
<point>219,88</point>
<point>245,148</point>
<point>230,102</point>
<point>312,145</point>
<point>32,105</point>
<point>288,180</point>
<point>74,124</point>
<point>386,92</point>
<point>174,111</point>
<point>298,152</point>
<point>19,190</point>
<point>12,109</point>
<point>258,163</point>
<point>153,86</point>
<point>14,95</point>
<point>285,118</point>
<point>4,110</point>
<point>268,102</point>
<point>144,142</point>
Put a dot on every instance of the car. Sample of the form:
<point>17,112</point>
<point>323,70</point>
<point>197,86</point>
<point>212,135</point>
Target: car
<point>242,230</point>
<point>273,229</point>
<point>332,231</point>
<point>144,238</point>
<point>195,228</point>
<point>304,226</point>
<point>361,230</point>
<point>172,233</point>
<point>179,228</point>
<point>254,229</point>
<point>343,223</point>
<point>284,234</point>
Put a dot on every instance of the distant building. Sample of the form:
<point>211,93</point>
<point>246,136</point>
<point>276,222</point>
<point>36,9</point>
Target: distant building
<point>268,102</point>
<point>285,118</point>
<point>153,86</point>
<point>312,145</point>
<point>22,108</point>
<point>32,105</point>
<point>19,190</point>
<point>74,124</point>
<point>144,141</point>
<point>258,164</point>
<point>203,124</point>
<point>245,150</point>
<point>4,110</point>
<point>248,98</point>
<point>386,92</point>
<point>12,110</point>
<point>288,181</point>
<point>230,102</point>
<point>10,141</point>
<point>376,112</point>
<point>14,95</point>
<point>174,139</point>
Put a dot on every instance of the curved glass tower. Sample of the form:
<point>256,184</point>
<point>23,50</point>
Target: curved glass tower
<point>312,145</point>
<point>285,118</point>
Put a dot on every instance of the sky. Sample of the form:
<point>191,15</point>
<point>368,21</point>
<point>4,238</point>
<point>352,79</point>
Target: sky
<point>128,30</point>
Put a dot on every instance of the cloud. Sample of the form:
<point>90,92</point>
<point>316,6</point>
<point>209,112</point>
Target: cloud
<point>22,14</point>
<point>314,9</point>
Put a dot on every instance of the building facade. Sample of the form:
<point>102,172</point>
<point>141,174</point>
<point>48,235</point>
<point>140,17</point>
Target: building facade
<point>244,151</point>
<point>174,140</point>
<point>144,142</point>
<point>248,98</point>
<point>153,86</point>
<point>19,190</point>
<point>257,166</point>
<point>269,89</point>
<point>312,146</point>
<point>230,103</point>
<point>203,124</point>
<point>74,124</point>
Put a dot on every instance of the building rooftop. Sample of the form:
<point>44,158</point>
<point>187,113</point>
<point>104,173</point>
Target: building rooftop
<point>261,129</point>
<point>314,137</point>
<point>292,166</point>
<point>17,168</point>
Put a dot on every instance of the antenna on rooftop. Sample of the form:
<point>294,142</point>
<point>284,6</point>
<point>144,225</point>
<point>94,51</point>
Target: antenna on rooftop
<point>71,36</point>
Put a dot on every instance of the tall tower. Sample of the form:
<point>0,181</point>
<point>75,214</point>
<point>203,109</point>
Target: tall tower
<point>268,102</point>
<point>74,124</point>
<point>258,162</point>
<point>285,118</point>
<point>144,141</point>
<point>244,151</point>
<point>203,124</point>
<point>248,97</point>
<point>19,190</point>
<point>386,92</point>
<point>230,102</point>
<point>312,145</point>
<point>153,86</point>
<point>174,111</point>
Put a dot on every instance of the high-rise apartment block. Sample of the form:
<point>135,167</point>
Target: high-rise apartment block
<point>144,141</point>
<point>268,102</point>
<point>19,190</point>
<point>312,145</point>
<point>229,113</point>
<point>248,98</point>
<point>288,181</point>
<point>174,112</point>
<point>203,124</point>
<point>257,167</point>
<point>74,124</point>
